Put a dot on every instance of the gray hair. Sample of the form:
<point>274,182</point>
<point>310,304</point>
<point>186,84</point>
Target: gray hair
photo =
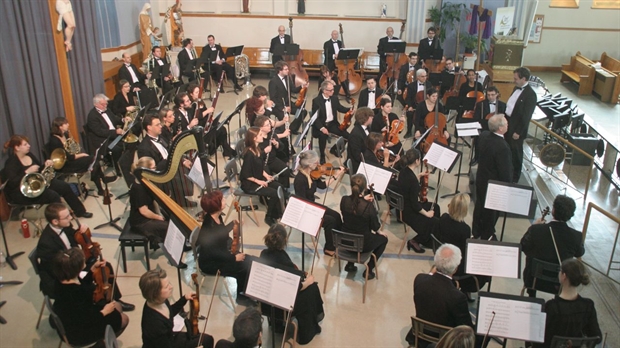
<point>447,259</point>
<point>307,158</point>
<point>496,121</point>
<point>325,84</point>
<point>420,72</point>
<point>98,98</point>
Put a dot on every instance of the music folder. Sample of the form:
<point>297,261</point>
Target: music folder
<point>286,50</point>
<point>234,51</point>
<point>160,71</point>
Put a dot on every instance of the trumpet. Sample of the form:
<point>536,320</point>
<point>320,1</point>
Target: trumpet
<point>34,184</point>
<point>130,138</point>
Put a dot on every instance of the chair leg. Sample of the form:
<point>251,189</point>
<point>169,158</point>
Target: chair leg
<point>376,266</point>
<point>232,303</point>
<point>327,274</point>
<point>365,284</point>
<point>254,213</point>
<point>402,244</point>
<point>40,315</point>
<point>146,255</point>
<point>124,256</point>
<point>230,209</point>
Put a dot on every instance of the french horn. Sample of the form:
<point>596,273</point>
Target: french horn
<point>34,184</point>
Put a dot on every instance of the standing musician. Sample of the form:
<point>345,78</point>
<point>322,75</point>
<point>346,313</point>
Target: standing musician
<point>158,314</point>
<point>270,145</point>
<point>413,66</point>
<point>357,138</point>
<point>490,106</point>
<point>22,162</point>
<point>519,109</point>
<point>84,321</point>
<point>369,95</point>
<point>428,45</point>
<point>415,94</point>
<point>331,48</point>
<point>281,39</point>
<point>389,32</point>
<point>164,82</point>
<point>58,236</point>
<point>184,118</point>
<point>328,106</point>
<point>255,179</point>
<point>123,101</point>
<point>216,60</point>
<point>214,243</point>
<point>259,98</point>
<point>305,187</point>
<point>186,60</point>
<point>468,103</point>
<point>421,216</point>
<point>76,163</point>
<point>383,121</point>
<point>424,108</point>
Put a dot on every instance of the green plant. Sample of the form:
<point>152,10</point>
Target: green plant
<point>447,18</point>
<point>471,43</point>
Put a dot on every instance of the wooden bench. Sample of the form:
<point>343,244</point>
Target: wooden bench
<point>579,70</point>
<point>369,64</point>
<point>612,65</point>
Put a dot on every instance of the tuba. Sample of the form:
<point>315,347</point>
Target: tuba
<point>130,138</point>
<point>242,68</point>
<point>34,184</point>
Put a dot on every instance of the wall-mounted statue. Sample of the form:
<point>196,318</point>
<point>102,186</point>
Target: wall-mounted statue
<point>146,29</point>
<point>175,27</point>
<point>65,14</point>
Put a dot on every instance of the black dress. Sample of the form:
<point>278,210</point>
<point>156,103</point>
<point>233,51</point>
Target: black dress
<point>422,225</point>
<point>274,164</point>
<point>155,230</point>
<point>72,165</point>
<point>308,303</point>
<point>82,319</point>
<point>119,104</point>
<point>253,168</point>
<point>332,219</point>
<point>378,123</point>
<point>157,329</point>
<point>421,112</point>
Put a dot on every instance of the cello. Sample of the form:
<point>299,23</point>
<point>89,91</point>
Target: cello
<point>346,71</point>
<point>478,95</point>
<point>295,63</point>
<point>437,121</point>
<point>394,62</point>
<point>459,79</point>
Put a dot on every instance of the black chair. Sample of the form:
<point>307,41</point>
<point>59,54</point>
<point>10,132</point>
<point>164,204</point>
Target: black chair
<point>546,272</point>
<point>574,342</point>
<point>22,208</point>
<point>397,202</point>
<point>232,174</point>
<point>110,338</point>
<point>35,266</point>
<point>349,248</point>
<point>130,238</point>
<point>427,331</point>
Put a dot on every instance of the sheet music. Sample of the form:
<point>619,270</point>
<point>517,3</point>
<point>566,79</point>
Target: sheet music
<point>467,132</point>
<point>520,320</point>
<point>375,175</point>
<point>508,198</point>
<point>196,175</point>
<point>303,216</point>
<point>441,157</point>
<point>272,285</point>
<point>468,125</point>
<point>492,259</point>
<point>174,242</point>
<point>179,323</point>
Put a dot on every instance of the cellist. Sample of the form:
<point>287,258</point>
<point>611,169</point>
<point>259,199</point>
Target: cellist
<point>328,106</point>
<point>424,108</point>
<point>467,103</point>
<point>415,95</point>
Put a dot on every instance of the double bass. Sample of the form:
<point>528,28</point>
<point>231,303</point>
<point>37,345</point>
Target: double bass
<point>459,79</point>
<point>346,71</point>
<point>394,62</point>
<point>295,63</point>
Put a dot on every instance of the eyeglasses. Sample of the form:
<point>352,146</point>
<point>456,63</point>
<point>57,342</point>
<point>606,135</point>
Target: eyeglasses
<point>68,217</point>
<point>329,90</point>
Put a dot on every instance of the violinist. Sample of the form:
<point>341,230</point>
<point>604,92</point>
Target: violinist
<point>421,216</point>
<point>217,63</point>
<point>213,246</point>
<point>412,67</point>
<point>326,75</point>
<point>57,236</point>
<point>270,145</point>
<point>490,106</point>
<point>306,186</point>
<point>424,108</point>
<point>470,86</point>
<point>415,94</point>
<point>370,94</point>
<point>357,138</point>
<point>376,153</point>
<point>84,321</point>
<point>328,106</point>
<point>258,105</point>
<point>389,32</point>
<point>158,314</point>
<point>384,121</point>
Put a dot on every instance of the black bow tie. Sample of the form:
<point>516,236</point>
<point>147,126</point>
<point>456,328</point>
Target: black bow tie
<point>327,100</point>
<point>420,84</point>
<point>373,91</point>
<point>491,103</point>
<point>519,88</point>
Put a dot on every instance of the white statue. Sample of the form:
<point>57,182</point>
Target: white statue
<point>383,11</point>
<point>146,29</point>
<point>65,14</point>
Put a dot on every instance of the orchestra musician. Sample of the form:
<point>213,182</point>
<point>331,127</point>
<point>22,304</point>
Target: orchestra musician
<point>421,85</point>
<point>389,32</point>
<point>258,105</point>
<point>328,107</point>
<point>357,137</point>
<point>428,46</point>
<point>131,73</point>
<point>158,314</point>
<point>305,187</point>
<point>187,58</point>
<point>360,216</point>
<point>247,330</point>
<point>382,123</point>
<point>413,65</point>
<point>253,175</point>
<point>184,118</point>
<point>331,48</point>
<point>22,162</point>
<point>448,75</point>
<point>216,61</point>
<point>424,108</point>
<point>280,88</point>
<point>421,216</point>
<point>123,101</point>
<point>375,145</point>
<point>168,127</point>
<point>327,75</point>
<point>84,321</point>
<point>166,83</point>
<point>271,145</point>
<point>369,95</point>
<point>281,39</point>
<point>470,86</point>
<point>489,106</point>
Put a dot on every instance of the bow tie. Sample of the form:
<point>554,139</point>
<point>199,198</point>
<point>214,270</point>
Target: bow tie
<point>281,37</point>
<point>491,103</point>
<point>212,47</point>
<point>327,100</point>
<point>373,91</point>
<point>420,84</point>
<point>519,88</point>
<point>334,41</point>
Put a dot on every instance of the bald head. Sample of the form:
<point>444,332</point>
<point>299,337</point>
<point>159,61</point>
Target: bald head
<point>126,58</point>
<point>281,30</point>
<point>389,32</point>
<point>334,34</point>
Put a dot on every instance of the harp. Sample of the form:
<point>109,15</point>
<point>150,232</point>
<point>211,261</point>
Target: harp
<point>190,140</point>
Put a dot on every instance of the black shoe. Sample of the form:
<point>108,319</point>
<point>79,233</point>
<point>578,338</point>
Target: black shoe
<point>371,275</point>
<point>322,160</point>
<point>350,267</point>
<point>182,265</point>
<point>408,135</point>
<point>270,221</point>
<point>334,152</point>
<point>127,307</point>
<point>85,215</point>
<point>411,244</point>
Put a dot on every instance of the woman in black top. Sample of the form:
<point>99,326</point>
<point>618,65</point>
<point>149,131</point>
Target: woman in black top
<point>470,86</point>
<point>158,314</point>
<point>214,242</point>
<point>305,187</point>
<point>326,75</point>
<point>258,104</point>
<point>123,101</point>
<point>169,129</point>
<point>359,216</point>
<point>382,122</point>
<point>420,216</point>
<point>84,322</point>
<point>423,109</point>
<point>21,163</point>
<point>270,146</point>
<point>374,146</point>
<point>142,216</point>
<point>253,175</point>
<point>569,314</point>
<point>308,303</point>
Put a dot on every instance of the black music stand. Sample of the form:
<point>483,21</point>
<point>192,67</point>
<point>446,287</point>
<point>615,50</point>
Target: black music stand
<point>112,221</point>
<point>212,134</point>
<point>395,47</point>
<point>226,121</point>
<point>9,258</point>
<point>286,50</point>
<point>234,51</point>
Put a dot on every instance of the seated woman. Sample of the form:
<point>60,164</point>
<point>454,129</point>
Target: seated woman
<point>123,101</point>
<point>569,314</point>
<point>453,230</point>
<point>326,75</point>
<point>169,129</point>
<point>423,109</point>
<point>20,163</point>
<point>258,105</point>
<point>359,216</point>
<point>84,322</point>
<point>305,187</point>
<point>270,145</point>
<point>76,163</point>
<point>214,244</point>
<point>308,303</point>
<point>158,314</point>
<point>418,215</point>
<point>142,216</point>
<point>383,123</point>
<point>254,178</point>
<point>376,154</point>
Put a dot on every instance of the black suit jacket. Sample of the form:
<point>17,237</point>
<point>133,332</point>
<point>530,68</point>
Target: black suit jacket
<point>402,75</point>
<point>147,148</point>
<point>425,50</point>
<point>184,61</point>
<point>328,50</point>
<point>179,120</point>
<point>48,246</point>
<point>412,90</point>
<point>98,130</point>
<point>279,93</point>
<point>363,98</point>
<point>275,42</point>
<point>495,162</point>
<point>483,109</point>
<point>124,74</point>
<point>356,145</point>
<point>519,120</point>
<point>318,103</point>
<point>437,300</point>
<point>381,48</point>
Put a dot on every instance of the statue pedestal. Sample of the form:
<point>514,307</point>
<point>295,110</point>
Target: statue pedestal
<point>505,54</point>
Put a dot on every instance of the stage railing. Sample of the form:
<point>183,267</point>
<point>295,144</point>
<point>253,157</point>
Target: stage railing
<point>592,206</point>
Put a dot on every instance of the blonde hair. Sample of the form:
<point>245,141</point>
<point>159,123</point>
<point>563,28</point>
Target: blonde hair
<point>143,162</point>
<point>459,205</point>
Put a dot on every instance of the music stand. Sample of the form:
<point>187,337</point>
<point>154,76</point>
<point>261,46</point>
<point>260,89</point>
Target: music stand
<point>106,198</point>
<point>234,51</point>
<point>226,121</point>
<point>212,134</point>
<point>166,98</point>
<point>395,47</point>
<point>287,50</point>
<point>9,258</point>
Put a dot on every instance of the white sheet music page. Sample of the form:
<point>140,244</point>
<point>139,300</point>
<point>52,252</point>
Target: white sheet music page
<point>519,320</point>
<point>375,175</point>
<point>508,199</point>
<point>174,242</point>
<point>303,216</point>
<point>441,157</point>
<point>272,285</point>
<point>492,260</point>
<point>196,175</point>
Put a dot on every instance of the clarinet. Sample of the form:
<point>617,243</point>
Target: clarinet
<point>286,126</point>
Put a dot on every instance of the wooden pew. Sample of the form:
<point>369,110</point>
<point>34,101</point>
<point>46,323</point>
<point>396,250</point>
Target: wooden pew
<point>369,64</point>
<point>579,70</point>
<point>612,65</point>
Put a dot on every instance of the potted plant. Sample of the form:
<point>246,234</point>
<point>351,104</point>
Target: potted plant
<point>446,18</point>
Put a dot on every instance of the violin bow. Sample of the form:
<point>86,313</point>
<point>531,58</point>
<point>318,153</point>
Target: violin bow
<point>204,328</point>
<point>369,185</point>
<point>118,262</point>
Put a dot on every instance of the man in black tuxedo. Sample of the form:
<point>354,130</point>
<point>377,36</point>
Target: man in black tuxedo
<point>420,85</point>
<point>184,119</point>
<point>448,74</point>
<point>412,66</point>
<point>490,105</point>
<point>281,39</point>
<point>279,87</point>
<point>357,138</point>
<point>163,82</point>
<point>57,236</point>
<point>331,48</point>
<point>537,242</point>
<point>216,62</point>
<point>381,47</point>
<point>186,59</point>
<point>328,106</point>
<point>494,164</point>
<point>436,298</point>
<point>137,80</point>
<point>368,96</point>
<point>519,109</point>
<point>428,45</point>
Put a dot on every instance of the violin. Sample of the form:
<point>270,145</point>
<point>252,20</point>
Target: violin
<point>437,121</point>
<point>234,247</point>
<point>381,158</point>
<point>410,78</point>
<point>323,169</point>
<point>394,62</point>
<point>295,63</point>
<point>545,212</point>
<point>346,71</point>
<point>194,308</point>
<point>346,121</point>
<point>301,96</point>
<point>91,249</point>
<point>424,184</point>
<point>395,129</point>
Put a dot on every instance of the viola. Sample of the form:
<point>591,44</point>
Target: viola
<point>346,121</point>
<point>410,78</point>
<point>381,158</point>
<point>295,63</point>
<point>91,249</point>
<point>437,121</point>
<point>234,247</point>
<point>346,71</point>
<point>323,169</point>
<point>301,96</point>
<point>394,62</point>
<point>194,308</point>
<point>424,184</point>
